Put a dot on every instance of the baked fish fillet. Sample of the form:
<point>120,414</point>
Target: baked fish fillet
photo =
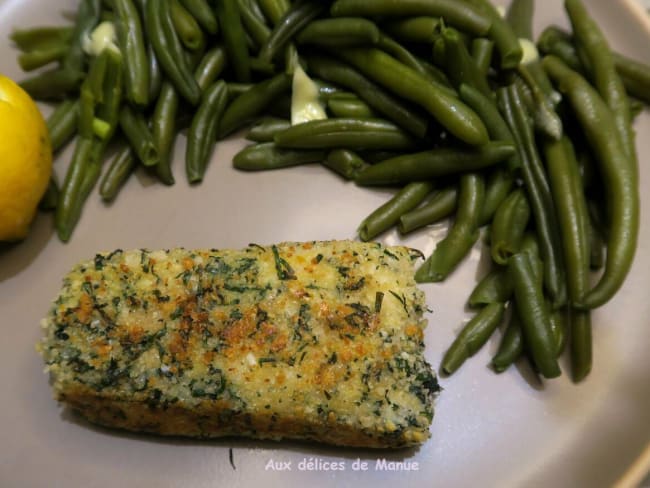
<point>315,340</point>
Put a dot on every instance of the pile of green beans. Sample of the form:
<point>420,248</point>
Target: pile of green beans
<point>430,97</point>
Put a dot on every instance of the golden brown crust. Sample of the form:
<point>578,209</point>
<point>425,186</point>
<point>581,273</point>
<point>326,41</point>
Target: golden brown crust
<point>319,341</point>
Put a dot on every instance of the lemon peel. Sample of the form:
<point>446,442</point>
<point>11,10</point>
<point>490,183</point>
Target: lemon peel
<point>25,160</point>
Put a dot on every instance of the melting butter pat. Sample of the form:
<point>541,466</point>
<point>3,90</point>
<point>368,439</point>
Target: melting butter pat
<point>530,51</point>
<point>305,104</point>
<point>102,37</point>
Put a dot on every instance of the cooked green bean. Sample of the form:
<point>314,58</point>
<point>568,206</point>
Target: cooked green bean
<point>461,67</point>
<point>435,163</point>
<point>118,172</point>
<point>294,19</point>
<point>559,319</point>
<point>267,156</point>
<point>603,72</point>
<point>537,73</point>
<point>461,237</point>
<point>135,129</point>
<point>403,55</point>
<point>558,42</point>
<point>100,128</point>
<point>55,84</point>
<point>202,12</point>
<point>581,344</point>
<point>356,134</point>
<point>535,78</point>
<point>387,105</point>
<point>509,226</point>
<point>413,29</point>
<point>342,31</point>
<point>62,124</point>
<point>91,175</point>
<point>201,137</point>
<point>482,50</point>
<point>520,17</point>
<point>494,287</point>
<point>210,67</point>
<point>274,9</point>
<point>252,102</point>
<point>64,216</point>
<point>32,60</point>
<point>86,20</point>
<point>291,58</point>
<point>235,89</point>
<point>500,182</point>
<point>511,346</point>
<point>350,107</point>
<point>539,193</point>
<point>187,28</point>
<point>438,53</point>
<point>374,157</point>
<point>86,161</point>
<point>472,337</point>
<point>168,49</point>
<point>346,163</point>
<point>389,213</point>
<point>134,51</point>
<point>533,315</point>
<point>339,95</point>
<point>619,174</point>
<point>91,93</point>
<point>546,120</point>
<point>256,8</point>
<point>163,130</point>
<point>530,246</point>
<point>440,206</point>
<point>256,27</point>
<point>108,110</point>
<point>155,74</point>
<point>525,94</point>
<point>635,76</point>
<point>459,14</point>
<point>262,67</point>
<point>571,207</point>
<point>38,38</point>
<point>505,40</point>
<point>454,115</point>
<point>501,179</point>
<point>437,75</point>
<point>265,130</point>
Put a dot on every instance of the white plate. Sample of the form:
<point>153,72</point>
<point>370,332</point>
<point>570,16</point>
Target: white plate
<point>489,430</point>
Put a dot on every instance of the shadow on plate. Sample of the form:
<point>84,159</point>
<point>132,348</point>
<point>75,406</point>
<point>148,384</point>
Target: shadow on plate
<point>304,448</point>
<point>19,255</point>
